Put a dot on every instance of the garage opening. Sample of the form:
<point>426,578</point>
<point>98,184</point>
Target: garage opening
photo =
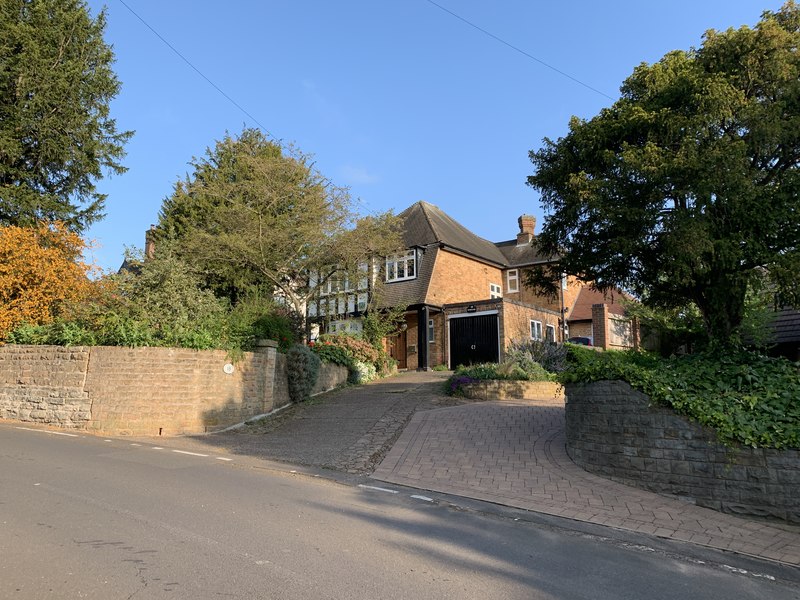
<point>473,339</point>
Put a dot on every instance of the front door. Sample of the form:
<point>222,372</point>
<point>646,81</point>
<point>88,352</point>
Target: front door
<point>397,349</point>
<point>473,340</point>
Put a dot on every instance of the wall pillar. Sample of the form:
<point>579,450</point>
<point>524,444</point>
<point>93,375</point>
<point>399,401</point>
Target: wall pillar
<point>600,326</point>
<point>422,338</point>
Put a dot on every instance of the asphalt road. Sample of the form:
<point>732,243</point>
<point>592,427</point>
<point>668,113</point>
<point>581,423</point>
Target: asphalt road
<point>83,517</point>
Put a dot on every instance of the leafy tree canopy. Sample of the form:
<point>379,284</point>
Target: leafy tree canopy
<point>56,134</point>
<point>687,188</point>
<point>41,273</point>
<point>254,212</point>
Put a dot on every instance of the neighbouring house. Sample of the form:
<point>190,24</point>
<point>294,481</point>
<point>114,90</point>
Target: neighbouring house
<point>464,295</point>
<point>785,337</point>
<point>601,318</point>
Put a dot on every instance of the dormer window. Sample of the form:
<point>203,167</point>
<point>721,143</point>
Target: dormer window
<point>402,266</point>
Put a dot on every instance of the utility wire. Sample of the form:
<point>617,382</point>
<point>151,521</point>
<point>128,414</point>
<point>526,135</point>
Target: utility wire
<point>513,47</point>
<point>198,71</point>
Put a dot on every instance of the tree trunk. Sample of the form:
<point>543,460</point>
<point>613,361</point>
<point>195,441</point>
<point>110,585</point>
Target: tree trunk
<point>721,303</point>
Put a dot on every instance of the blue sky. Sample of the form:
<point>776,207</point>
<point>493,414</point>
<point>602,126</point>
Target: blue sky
<point>399,100</point>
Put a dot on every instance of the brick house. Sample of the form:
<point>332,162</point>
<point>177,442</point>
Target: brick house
<point>464,295</point>
<point>601,318</point>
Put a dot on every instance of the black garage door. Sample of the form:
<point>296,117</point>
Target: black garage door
<point>473,340</point>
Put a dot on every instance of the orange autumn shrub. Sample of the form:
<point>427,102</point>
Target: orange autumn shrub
<point>41,272</point>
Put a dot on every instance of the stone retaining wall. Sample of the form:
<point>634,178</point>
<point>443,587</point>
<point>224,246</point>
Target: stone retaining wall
<point>495,389</point>
<point>144,391</point>
<point>45,384</point>
<point>612,430</point>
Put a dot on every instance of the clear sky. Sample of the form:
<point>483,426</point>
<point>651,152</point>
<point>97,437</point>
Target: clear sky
<point>399,100</point>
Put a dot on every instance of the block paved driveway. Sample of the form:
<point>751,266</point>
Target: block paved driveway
<point>514,454</point>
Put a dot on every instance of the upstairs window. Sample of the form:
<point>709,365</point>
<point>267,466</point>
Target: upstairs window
<point>401,266</point>
<point>512,281</point>
<point>495,291</point>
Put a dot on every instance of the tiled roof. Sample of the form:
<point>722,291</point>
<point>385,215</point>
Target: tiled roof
<point>427,224</point>
<point>411,291</point>
<point>787,326</point>
<point>520,255</point>
<point>582,309</point>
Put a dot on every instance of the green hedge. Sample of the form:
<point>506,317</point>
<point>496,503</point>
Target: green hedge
<point>746,398</point>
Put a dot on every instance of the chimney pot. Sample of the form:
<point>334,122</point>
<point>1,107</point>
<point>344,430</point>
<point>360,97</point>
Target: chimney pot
<point>527,225</point>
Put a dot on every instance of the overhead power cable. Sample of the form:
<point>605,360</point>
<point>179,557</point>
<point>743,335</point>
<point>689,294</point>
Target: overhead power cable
<point>198,71</point>
<point>520,50</point>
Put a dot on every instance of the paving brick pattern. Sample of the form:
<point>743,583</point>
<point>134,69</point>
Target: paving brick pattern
<point>514,454</point>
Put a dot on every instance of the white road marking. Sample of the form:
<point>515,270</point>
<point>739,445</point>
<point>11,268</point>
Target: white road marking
<point>132,444</point>
<point>425,498</point>
<point>50,432</point>
<point>191,453</point>
<point>377,489</point>
<point>108,440</point>
<point>222,458</point>
<point>156,448</point>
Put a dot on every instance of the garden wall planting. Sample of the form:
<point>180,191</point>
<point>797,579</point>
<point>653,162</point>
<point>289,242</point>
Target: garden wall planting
<point>614,431</point>
<point>144,391</point>
<point>497,389</point>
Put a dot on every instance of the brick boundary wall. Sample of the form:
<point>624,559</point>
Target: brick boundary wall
<point>144,391</point>
<point>613,430</point>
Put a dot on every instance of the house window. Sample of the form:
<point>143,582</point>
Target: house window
<point>495,291</point>
<point>430,330</point>
<point>362,302</point>
<point>363,275</point>
<point>401,266</point>
<point>512,281</point>
<point>536,330</point>
<point>550,333</point>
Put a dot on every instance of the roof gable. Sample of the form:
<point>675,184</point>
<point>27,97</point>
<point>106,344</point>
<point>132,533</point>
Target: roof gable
<point>426,224</point>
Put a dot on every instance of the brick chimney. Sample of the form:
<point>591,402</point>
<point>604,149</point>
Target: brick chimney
<point>527,225</point>
<point>149,243</point>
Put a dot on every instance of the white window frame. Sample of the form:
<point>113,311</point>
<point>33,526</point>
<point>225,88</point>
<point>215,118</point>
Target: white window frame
<point>548,328</point>
<point>431,329</point>
<point>406,260</point>
<point>536,330</point>
<point>512,281</point>
<point>495,291</point>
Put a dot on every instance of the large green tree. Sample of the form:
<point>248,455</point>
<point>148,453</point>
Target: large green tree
<point>56,134</point>
<point>687,189</point>
<point>256,213</point>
